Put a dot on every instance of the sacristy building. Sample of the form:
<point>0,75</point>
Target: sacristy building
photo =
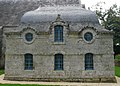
<point>60,41</point>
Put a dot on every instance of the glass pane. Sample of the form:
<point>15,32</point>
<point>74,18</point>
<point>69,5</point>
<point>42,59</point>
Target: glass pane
<point>28,61</point>
<point>29,36</point>
<point>58,62</point>
<point>88,36</point>
<point>58,33</point>
<point>89,61</point>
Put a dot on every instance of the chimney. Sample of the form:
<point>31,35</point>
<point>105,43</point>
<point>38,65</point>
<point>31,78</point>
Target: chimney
<point>83,6</point>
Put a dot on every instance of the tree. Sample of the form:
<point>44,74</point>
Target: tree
<point>110,19</point>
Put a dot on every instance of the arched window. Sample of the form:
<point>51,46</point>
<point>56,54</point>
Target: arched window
<point>89,61</point>
<point>58,62</point>
<point>28,61</point>
<point>58,33</point>
<point>29,37</point>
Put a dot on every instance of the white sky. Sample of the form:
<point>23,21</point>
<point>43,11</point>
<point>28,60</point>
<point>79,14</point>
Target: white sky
<point>90,3</point>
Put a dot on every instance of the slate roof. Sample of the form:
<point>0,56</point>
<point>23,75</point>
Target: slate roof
<point>68,14</point>
<point>73,14</point>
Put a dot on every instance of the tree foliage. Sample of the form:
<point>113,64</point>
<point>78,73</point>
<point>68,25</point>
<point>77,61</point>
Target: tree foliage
<point>110,19</point>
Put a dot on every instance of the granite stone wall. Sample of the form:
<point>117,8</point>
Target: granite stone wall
<point>2,48</point>
<point>74,49</point>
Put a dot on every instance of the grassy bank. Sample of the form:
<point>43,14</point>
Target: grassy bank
<point>117,71</point>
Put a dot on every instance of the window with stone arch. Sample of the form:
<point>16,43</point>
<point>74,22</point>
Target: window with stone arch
<point>58,62</point>
<point>28,61</point>
<point>89,61</point>
<point>58,33</point>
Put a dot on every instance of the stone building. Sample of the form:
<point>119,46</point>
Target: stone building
<point>2,52</point>
<point>60,41</point>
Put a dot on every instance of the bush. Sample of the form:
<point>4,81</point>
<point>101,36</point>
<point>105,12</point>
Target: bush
<point>1,71</point>
<point>117,57</point>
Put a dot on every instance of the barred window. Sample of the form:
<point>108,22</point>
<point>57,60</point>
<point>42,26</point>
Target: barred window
<point>28,61</point>
<point>58,33</point>
<point>58,62</point>
<point>88,61</point>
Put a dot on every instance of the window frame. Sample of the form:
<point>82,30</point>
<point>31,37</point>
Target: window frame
<point>58,33</point>
<point>89,63</point>
<point>90,38</point>
<point>28,61</point>
<point>29,37</point>
<point>58,62</point>
<point>92,31</point>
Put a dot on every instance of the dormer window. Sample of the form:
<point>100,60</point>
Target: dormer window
<point>58,33</point>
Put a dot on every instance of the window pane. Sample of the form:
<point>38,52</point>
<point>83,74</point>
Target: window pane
<point>58,33</point>
<point>89,61</point>
<point>28,61</point>
<point>88,36</point>
<point>29,36</point>
<point>58,62</point>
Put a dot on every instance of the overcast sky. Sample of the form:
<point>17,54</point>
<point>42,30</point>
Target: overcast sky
<point>90,3</point>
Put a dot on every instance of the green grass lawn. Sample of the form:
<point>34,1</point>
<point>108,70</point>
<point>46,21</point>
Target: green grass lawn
<point>1,71</point>
<point>117,71</point>
<point>24,85</point>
